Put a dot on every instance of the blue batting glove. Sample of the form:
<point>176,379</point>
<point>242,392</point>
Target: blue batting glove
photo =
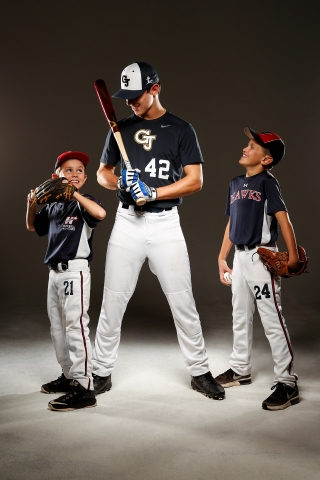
<point>141,190</point>
<point>127,178</point>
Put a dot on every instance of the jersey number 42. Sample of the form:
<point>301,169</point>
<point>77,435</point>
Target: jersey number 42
<point>164,166</point>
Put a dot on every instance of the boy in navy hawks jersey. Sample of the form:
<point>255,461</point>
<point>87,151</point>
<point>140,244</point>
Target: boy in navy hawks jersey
<point>255,207</point>
<point>161,148</point>
<point>69,227</point>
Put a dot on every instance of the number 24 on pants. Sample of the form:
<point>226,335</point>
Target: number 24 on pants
<point>264,291</point>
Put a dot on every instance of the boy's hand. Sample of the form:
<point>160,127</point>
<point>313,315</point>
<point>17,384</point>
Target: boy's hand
<point>30,198</point>
<point>141,190</point>
<point>223,268</point>
<point>293,265</point>
<point>128,177</point>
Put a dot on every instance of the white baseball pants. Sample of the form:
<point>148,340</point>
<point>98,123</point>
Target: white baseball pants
<point>68,303</point>
<point>158,237</point>
<point>252,283</point>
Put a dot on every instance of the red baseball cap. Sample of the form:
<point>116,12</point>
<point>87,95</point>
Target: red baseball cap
<point>71,155</point>
<point>270,141</point>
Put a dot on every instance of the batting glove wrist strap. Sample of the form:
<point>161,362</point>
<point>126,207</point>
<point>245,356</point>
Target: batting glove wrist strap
<point>120,184</point>
<point>141,190</point>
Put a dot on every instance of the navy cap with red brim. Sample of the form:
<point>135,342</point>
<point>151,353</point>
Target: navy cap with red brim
<point>269,140</point>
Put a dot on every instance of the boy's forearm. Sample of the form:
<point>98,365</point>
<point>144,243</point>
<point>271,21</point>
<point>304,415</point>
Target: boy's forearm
<point>92,207</point>
<point>189,184</point>
<point>30,217</point>
<point>222,258</point>
<point>107,178</point>
<point>288,235</point>
<point>226,244</point>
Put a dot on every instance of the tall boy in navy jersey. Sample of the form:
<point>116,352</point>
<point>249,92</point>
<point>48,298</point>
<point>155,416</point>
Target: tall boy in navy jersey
<point>255,207</point>
<point>69,227</point>
<point>161,148</point>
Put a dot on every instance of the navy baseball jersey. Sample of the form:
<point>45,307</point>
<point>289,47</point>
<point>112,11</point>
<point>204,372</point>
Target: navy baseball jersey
<point>251,205</point>
<point>158,148</point>
<point>69,228</point>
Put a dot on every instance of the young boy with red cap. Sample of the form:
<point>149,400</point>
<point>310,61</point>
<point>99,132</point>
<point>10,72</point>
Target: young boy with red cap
<point>256,208</point>
<point>69,226</point>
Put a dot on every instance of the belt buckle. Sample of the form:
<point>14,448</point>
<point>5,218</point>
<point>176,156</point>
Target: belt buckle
<point>139,208</point>
<point>59,267</point>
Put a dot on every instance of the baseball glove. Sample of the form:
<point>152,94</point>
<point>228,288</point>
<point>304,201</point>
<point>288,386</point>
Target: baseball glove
<point>277,262</point>
<point>54,190</point>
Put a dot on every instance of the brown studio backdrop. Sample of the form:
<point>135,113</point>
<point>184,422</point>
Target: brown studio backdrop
<point>221,68</point>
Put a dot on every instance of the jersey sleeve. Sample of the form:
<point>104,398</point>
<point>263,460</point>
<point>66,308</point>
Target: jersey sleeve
<point>111,153</point>
<point>91,221</point>
<point>189,147</point>
<point>275,201</point>
<point>41,223</point>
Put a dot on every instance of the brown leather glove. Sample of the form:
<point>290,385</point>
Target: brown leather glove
<point>54,190</point>
<point>277,262</point>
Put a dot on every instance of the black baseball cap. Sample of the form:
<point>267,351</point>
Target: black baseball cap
<point>135,79</point>
<point>71,155</point>
<point>270,141</point>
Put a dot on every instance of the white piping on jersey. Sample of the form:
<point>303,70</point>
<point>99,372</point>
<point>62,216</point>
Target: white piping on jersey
<point>267,219</point>
<point>83,247</point>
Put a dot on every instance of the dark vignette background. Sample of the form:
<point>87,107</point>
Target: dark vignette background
<point>223,65</point>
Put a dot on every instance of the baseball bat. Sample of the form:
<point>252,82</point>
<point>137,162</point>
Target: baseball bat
<point>107,107</point>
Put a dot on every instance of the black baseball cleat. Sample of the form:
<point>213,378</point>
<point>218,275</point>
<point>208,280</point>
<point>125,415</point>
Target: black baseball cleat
<point>62,384</point>
<point>101,384</point>
<point>207,385</point>
<point>78,397</point>
<point>232,379</point>
<point>283,397</point>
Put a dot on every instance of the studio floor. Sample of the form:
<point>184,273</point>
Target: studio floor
<point>152,425</point>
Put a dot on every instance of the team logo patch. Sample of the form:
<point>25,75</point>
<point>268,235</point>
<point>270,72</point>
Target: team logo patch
<point>144,138</point>
<point>68,223</point>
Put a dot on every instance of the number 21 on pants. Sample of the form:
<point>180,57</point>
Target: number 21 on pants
<point>68,287</point>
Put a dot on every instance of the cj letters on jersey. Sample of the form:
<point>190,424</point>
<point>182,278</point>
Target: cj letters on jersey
<point>144,138</point>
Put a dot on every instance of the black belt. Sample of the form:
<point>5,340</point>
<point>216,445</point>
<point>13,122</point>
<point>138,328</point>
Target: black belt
<point>245,247</point>
<point>54,265</point>
<point>251,247</point>
<point>147,209</point>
